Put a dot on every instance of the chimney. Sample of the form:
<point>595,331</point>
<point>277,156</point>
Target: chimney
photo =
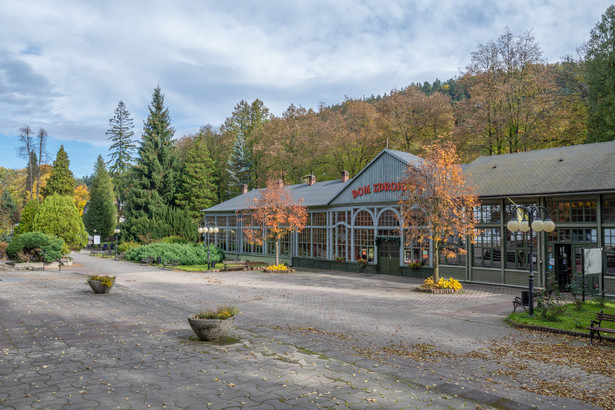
<point>311,179</point>
<point>345,176</point>
<point>280,183</point>
<point>244,189</point>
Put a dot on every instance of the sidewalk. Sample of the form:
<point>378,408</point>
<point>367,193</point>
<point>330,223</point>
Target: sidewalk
<point>304,340</point>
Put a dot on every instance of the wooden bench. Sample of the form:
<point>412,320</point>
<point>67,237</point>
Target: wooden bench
<point>147,261</point>
<point>519,302</point>
<point>235,265</point>
<point>170,264</point>
<point>256,265</point>
<point>595,326</point>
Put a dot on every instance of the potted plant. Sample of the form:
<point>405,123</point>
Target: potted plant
<point>415,265</point>
<point>101,283</point>
<point>212,325</point>
<point>361,264</point>
<point>340,259</point>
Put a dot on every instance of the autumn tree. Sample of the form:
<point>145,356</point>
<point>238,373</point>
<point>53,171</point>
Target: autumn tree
<point>121,151</point>
<point>513,99</point>
<point>100,215</point>
<point>273,214</point>
<point>413,119</point>
<point>81,196</point>
<point>600,73</point>
<point>61,181</point>
<point>437,203</point>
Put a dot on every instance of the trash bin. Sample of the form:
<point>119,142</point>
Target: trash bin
<point>525,297</point>
<point>159,260</point>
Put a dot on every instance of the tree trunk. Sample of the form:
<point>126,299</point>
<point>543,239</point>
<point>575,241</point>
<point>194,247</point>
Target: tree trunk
<point>277,252</point>
<point>436,265</point>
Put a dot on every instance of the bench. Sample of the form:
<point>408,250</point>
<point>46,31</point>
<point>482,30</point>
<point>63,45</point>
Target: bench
<point>147,261</point>
<point>520,301</point>
<point>256,265</point>
<point>170,264</point>
<point>595,326</point>
<point>235,265</point>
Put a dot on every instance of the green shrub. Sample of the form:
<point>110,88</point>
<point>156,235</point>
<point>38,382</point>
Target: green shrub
<point>35,245</point>
<point>186,254</point>
<point>174,239</point>
<point>126,246</point>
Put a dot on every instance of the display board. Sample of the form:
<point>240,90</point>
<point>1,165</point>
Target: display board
<point>592,261</point>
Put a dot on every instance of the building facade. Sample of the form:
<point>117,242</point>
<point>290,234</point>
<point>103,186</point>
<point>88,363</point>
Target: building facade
<point>360,217</point>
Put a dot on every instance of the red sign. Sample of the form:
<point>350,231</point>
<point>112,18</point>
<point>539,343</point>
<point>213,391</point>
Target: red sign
<point>377,187</point>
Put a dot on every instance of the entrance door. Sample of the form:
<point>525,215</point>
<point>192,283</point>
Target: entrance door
<point>388,256</point>
<point>563,266</point>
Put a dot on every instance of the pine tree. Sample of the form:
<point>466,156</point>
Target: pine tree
<point>61,181</point>
<point>155,177</point>
<point>100,215</point>
<point>197,188</point>
<point>239,167</point>
<point>8,214</point>
<point>600,60</point>
<point>121,151</point>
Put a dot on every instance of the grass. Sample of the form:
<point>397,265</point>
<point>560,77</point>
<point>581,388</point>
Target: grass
<point>573,319</point>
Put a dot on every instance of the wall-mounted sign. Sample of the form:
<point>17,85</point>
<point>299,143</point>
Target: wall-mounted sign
<point>377,187</point>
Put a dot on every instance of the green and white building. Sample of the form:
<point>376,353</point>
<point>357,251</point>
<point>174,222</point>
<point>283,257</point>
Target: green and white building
<point>359,218</point>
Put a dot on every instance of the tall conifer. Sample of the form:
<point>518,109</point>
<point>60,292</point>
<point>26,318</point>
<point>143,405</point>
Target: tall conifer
<point>61,181</point>
<point>121,151</point>
<point>155,176</point>
<point>240,168</point>
<point>100,215</point>
<point>197,188</point>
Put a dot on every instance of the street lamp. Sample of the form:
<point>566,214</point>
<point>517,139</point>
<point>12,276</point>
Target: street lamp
<point>116,231</point>
<point>207,230</point>
<point>531,223</point>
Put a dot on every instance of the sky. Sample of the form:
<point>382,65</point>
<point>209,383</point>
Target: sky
<point>65,65</point>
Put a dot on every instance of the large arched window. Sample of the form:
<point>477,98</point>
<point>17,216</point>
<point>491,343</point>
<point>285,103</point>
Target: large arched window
<point>364,236</point>
<point>388,223</point>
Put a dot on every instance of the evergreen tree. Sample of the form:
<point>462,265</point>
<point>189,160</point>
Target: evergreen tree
<point>28,213</point>
<point>8,214</point>
<point>32,176</point>
<point>61,181</point>
<point>155,177</point>
<point>100,215</point>
<point>239,167</point>
<point>121,151</point>
<point>600,72</point>
<point>58,216</point>
<point>197,188</point>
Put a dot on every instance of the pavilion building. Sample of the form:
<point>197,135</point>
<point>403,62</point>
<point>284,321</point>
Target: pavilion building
<point>360,218</point>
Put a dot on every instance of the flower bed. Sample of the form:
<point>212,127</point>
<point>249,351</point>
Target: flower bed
<point>281,268</point>
<point>449,285</point>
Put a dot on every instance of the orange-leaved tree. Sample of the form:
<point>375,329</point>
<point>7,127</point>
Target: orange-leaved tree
<point>273,214</point>
<point>437,203</point>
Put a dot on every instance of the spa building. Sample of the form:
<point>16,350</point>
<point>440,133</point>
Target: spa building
<point>359,217</point>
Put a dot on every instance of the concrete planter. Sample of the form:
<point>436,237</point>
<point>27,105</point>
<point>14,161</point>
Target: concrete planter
<point>98,287</point>
<point>437,291</point>
<point>211,329</point>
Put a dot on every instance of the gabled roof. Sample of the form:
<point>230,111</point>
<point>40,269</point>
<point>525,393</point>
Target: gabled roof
<point>572,169</point>
<point>318,194</point>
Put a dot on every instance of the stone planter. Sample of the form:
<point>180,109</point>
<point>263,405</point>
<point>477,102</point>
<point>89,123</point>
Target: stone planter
<point>98,287</point>
<point>211,329</point>
<point>437,291</point>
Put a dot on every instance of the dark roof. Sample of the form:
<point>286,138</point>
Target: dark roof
<point>318,194</point>
<point>572,169</point>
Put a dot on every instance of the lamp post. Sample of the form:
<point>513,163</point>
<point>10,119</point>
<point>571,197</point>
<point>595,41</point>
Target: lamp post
<point>531,223</point>
<point>116,231</point>
<point>207,229</point>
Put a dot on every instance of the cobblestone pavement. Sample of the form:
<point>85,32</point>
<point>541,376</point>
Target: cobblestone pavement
<point>302,340</point>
